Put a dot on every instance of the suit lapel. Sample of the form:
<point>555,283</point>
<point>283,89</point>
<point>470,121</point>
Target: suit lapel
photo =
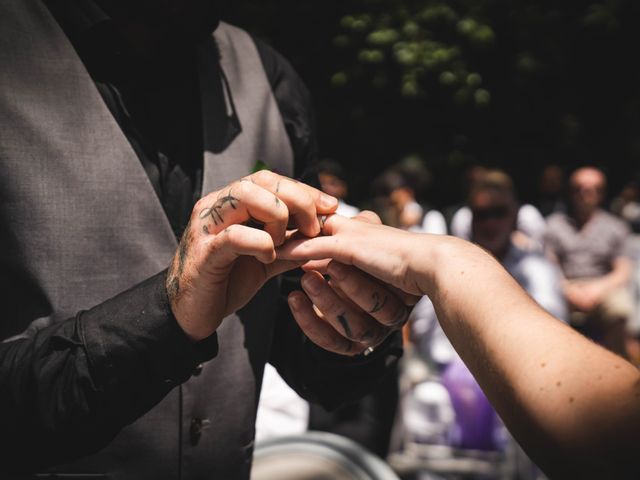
<point>259,134</point>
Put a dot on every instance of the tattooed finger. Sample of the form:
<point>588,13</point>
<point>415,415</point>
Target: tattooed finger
<point>318,330</point>
<point>369,294</point>
<point>348,320</point>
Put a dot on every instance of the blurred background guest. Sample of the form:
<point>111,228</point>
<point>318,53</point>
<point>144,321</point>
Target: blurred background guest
<point>530,225</point>
<point>333,180</point>
<point>398,204</point>
<point>627,204</point>
<point>551,190</point>
<point>590,246</point>
<point>466,180</point>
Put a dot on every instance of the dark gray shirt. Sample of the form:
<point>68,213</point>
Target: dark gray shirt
<point>590,251</point>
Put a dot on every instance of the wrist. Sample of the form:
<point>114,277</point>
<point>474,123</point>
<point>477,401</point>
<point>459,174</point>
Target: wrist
<point>195,325</point>
<point>187,311</point>
<point>448,260</point>
<point>426,267</point>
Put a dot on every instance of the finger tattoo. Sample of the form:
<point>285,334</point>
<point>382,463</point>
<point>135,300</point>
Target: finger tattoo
<point>230,199</point>
<point>213,213</point>
<point>378,303</point>
<point>215,210</point>
<point>277,191</point>
<point>345,325</point>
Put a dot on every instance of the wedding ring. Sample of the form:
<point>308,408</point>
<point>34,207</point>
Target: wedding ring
<point>322,219</point>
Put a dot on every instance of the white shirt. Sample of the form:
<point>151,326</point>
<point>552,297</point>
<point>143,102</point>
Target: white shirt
<point>281,411</point>
<point>346,210</point>
<point>433,222</point>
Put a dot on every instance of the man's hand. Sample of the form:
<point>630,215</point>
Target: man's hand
<point>221,262</point>
<point>352,311</point>
<point>584,296</point>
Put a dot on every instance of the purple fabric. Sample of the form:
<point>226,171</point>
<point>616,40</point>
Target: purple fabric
<point>476,420</point>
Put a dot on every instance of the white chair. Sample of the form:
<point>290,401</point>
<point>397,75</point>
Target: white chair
<point>316,456</point>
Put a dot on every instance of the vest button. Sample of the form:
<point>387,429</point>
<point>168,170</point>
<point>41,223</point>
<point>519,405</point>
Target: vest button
<point>196,428</point>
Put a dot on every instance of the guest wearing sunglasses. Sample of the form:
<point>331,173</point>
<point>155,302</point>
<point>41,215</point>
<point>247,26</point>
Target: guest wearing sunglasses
<point>494,207</point>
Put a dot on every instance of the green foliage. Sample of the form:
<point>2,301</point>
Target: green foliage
<point>514,83</point>
<point>416,46</point>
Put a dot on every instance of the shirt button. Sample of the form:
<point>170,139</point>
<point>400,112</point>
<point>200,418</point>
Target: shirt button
<point>197,426</point>
<point>198,370</point>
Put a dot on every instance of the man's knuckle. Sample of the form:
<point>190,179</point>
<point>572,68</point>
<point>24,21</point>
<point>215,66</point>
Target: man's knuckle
<point>199,205</point>
<point>232,233</point>
<point>263,176</point>
<point>307,202</point>
<point>210,245</point>
<point>242,189</point>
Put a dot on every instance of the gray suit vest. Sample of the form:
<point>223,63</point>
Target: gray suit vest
<point>80,222</point>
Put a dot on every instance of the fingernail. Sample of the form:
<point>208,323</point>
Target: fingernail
<point>337,270</point>
<point>327,201</point>
<point>294,302</point>
<point>311,283</point>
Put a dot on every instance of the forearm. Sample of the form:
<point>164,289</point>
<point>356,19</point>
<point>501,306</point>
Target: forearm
<point>568,401</point>
<point>619,275</point>
<point>46,389</point>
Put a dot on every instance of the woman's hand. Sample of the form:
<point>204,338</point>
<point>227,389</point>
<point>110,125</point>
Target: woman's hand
<point>383,252</point>
<point>358,310</point>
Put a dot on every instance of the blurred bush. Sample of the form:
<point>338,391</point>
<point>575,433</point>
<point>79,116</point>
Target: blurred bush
<point>417,46</point>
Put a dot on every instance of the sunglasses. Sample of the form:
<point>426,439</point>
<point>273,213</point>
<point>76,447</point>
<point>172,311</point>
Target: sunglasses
<point>481,214</point>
